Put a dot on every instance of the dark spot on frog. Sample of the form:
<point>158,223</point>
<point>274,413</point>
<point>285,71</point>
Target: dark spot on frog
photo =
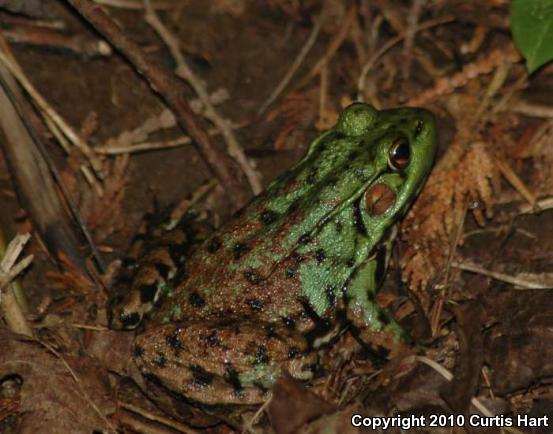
<point>351,262</point>
<point>290,272</point>
<point>354,155</point>
<point>312,176</point>
<point>162,269</point>
<point>289,322</point>
<point>298,259</point>
<point>260,386</point>
<point>358,220</point>
<point>253,277</point>
<point>160,360</point>
<point>177,252</point>
<point>380,266</point>
<point>383,318</point>
<point>371,296</point>
<point>320,255</point>
<point>261,356</point>
<point>270,330</point>
<point>213,245</point>
<point>331,181</point>
<point>239,249</point>
<point>138,237</point>
<point>293,352</point>
<point>330,293</point>
<point>137,351</point>
<point>201,377</point>
<point>419,126</point>
<point>130,320</point>
<point>148,292</point>
<point>293,207</point>
<point>322,325</point>
<point>213,340</point>
<point>304,239</point>
<point>231,376</point>
<point>255,304</point>
<point>179,276</point>
<point>129,263</point>
<point>196,300</point>
<point>153,378</point>
<point>309,367</point>
<point>338,227</point>
<point>173,341</point>
<point>268,217</point>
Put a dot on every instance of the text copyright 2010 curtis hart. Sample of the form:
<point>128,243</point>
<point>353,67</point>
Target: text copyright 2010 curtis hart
<point>448,420</point>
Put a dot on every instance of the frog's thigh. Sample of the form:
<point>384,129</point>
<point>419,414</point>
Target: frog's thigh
<point>216,363</point>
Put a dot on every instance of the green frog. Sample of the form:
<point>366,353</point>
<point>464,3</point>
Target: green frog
<point>296,268</point>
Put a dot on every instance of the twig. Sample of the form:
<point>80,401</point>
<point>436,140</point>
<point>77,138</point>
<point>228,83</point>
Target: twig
<point>444,372</point>
<point>502,277</point>
<point>531,109</point>
<point>515,181</point>
<point>48,112</point>
<point>83,46</point>
<point>144,146</point>
<point>172,91</point>
<point>296,63</point>
<point>156,418</point>
<point>136,4</point>
<point>541,205</point>
<point>183,70</point>
<point>79,385</point>
<point>374,58</point>
<point>410,31</point>
<point>12,272</point>
<point>11,308</point>
<point>333,46</point>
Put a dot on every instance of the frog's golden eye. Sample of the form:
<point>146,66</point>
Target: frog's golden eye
<point>399,154</point>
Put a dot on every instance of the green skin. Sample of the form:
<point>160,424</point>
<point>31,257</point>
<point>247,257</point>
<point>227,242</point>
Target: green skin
<point>299,265</point>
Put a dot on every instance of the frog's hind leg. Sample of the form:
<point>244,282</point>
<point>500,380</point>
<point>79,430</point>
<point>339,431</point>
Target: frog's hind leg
<point>214,363</point>
<point>157,260</point>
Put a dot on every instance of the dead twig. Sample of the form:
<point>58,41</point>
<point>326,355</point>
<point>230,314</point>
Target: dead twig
<point>183,70</point>
<point>522,283</point>
<point>410,31</point>
<point>10,307</point>
<point>444,372</point>
<point>333,46</point>
<point>295,64</point>
<point>136,4</point>
<point>376,56</point>
<point>172,91</point>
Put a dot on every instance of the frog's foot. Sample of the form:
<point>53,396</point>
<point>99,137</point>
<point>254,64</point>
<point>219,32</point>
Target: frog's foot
<point>215,363</point>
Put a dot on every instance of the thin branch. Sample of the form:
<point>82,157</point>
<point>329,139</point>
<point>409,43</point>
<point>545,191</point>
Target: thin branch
<point>183,70</point>
<point>295,64</point>
<point>521,283</point>
<point>172,91</point>
<point>376,56</point>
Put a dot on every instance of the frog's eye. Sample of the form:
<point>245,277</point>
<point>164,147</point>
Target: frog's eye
<point>399,154</point>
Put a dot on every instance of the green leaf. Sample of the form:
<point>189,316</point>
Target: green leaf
<point>532,28</point>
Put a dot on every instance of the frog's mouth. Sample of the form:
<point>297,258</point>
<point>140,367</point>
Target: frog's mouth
<point>379,198</point>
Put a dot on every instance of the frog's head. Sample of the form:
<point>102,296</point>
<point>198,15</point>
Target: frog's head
<point>396,148</point>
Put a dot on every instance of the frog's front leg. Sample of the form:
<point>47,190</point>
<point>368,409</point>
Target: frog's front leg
<point>222,363</point>
<point>372,324</point>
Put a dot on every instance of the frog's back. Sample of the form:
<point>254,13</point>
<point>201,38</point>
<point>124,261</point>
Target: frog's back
<point>297,242</point>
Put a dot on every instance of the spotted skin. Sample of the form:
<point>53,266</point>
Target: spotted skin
<point>293,270</point>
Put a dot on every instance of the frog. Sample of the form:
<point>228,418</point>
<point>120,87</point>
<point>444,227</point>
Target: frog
<point>294,270</point>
